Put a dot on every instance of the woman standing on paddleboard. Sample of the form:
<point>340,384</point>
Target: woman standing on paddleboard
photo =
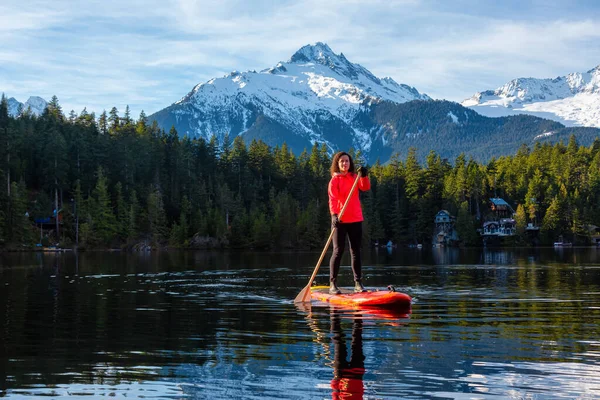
<point>343,177</point>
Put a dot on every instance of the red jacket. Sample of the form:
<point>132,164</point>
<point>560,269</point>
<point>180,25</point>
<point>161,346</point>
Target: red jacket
<point>339,188</point>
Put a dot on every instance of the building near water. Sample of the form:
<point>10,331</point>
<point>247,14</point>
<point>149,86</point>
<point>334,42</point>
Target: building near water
<point>503,227</point>
<point>501,208</point>
<point>499,223</point>
<point>444,233</point>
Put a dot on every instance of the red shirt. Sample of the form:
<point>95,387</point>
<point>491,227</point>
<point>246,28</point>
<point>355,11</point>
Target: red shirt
<point>339,188</point>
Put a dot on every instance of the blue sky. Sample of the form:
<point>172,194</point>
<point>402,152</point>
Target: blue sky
<point>148,54</point>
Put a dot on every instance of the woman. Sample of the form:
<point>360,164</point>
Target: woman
<point>342,179</point>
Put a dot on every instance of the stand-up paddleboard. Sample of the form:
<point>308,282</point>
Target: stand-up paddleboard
<point>388,299</point>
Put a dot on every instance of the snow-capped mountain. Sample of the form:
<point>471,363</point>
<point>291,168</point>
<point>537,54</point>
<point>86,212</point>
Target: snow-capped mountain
<point>35,103</point>
<point>573,100</point>
<point>313,97</point>
<point>318,96</point>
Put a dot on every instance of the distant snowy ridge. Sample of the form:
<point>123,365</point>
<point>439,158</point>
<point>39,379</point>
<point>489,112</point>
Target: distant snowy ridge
<point>573,99</point>
<point>35,103</point>
<point>313,89</point>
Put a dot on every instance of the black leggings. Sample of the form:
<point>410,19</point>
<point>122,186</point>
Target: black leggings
<point>354,232</point>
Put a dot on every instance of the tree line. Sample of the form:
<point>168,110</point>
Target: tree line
<point>114,181</point>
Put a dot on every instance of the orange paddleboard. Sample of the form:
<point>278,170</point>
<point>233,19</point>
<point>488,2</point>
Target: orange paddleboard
<point>378,298</point>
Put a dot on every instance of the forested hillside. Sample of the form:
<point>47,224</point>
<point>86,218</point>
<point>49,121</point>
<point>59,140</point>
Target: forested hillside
<point>451,129</point>
<point>116,181</point>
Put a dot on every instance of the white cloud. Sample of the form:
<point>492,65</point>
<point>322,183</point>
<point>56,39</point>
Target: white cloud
<point>149,54</point>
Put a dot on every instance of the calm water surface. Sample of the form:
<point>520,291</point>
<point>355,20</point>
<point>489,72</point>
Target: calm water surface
<point>520,324</point>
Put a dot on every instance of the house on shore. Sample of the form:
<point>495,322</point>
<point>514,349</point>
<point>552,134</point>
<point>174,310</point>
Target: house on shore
<point>445,233</point>
<point>500,223</point>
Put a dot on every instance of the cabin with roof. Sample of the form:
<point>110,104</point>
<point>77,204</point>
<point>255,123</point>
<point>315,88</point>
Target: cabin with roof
<point>48,225</point>
<point>499,223</point>
<point>501,208</point>
<point>503,227</point>
<point>444,233</point>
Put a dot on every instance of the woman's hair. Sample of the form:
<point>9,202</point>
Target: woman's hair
<point>335,162</point>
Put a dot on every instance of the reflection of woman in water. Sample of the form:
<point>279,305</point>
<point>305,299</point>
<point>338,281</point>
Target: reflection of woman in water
<point>347,379</point>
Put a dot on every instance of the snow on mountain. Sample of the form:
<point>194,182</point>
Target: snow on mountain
<point>314,96</point>
<point>13,106</point>
<point>35,103</point>
<point>573,100</point>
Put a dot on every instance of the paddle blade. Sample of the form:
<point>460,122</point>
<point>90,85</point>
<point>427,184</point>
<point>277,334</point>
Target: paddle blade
<point>303,296</point>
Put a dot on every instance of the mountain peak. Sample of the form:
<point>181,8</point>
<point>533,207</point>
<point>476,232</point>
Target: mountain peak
<point>320,53</point>
<point>594,70</point>
<point>572,99</point>
<point>35,103</point>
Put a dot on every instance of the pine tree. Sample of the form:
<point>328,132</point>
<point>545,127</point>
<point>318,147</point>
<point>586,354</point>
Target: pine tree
<point>113,121</point>
<point>20,225</point>
<point>122,213</point>
<point>54,109</point>
<point>133,216</point>
<point>142,124</point>
<point>240,230</point>
<point>224,154</point>
<point>156,216</point>
<point>105,223</point>
<point>261,231</point>
<point>72,117</point>
<point>179,231</point>
<point>412,175</point>
<point>283,221</point>
<point>127,116</point>
<point>103,123</point>
<point>464,225</point>
<point>579,228</point>
<point>239,161</point>
<point>520,221</point>
<point>534,196</point>
<point>551,223</point>
<point>308,227</point>
<point>400,218</point>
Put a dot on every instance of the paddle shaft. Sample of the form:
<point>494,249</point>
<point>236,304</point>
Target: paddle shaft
<point>305,293</point>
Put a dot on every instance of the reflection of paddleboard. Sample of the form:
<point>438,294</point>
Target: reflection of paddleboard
<point>380,298</point>
<point>365,313</point>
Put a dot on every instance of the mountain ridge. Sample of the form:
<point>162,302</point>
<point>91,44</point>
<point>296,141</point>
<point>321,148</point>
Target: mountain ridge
<point>313,89</point>
<point>572,99</point>
<point>36,104</point>
<point>318,96</point>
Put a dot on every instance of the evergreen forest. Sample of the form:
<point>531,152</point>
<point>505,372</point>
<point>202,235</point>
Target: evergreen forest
<point>113,181</point>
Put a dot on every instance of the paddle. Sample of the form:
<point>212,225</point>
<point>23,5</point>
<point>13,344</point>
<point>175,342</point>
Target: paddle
<point>304,294</point>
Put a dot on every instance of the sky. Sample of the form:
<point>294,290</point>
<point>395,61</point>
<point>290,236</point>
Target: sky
<point>148,54</point>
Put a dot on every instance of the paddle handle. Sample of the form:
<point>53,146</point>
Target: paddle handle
<point>305,293</point>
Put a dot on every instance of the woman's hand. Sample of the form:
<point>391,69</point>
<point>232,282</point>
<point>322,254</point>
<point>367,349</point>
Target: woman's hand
<point>335,221</point>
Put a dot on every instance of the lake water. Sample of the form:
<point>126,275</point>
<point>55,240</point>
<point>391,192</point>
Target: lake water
<point>520,324</point>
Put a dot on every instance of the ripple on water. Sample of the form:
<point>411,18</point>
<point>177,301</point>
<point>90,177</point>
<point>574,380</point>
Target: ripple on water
<point>118,389</point>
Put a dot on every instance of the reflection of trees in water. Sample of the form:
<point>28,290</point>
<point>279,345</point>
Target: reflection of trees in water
<point>74,312</point>
<point>498,257</point>
<point>445,255</point>
<point>111,313</point>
